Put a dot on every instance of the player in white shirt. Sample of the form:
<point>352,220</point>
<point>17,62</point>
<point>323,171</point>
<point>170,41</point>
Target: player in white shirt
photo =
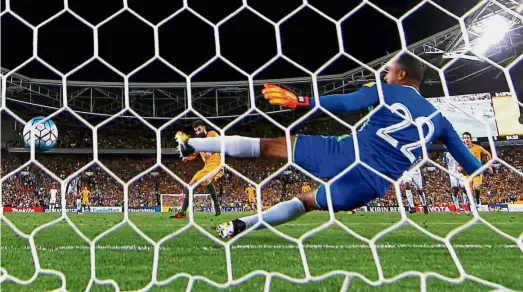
<point>456,181</point>
<point>413,181</point>
<point>52,200</point>
<point>78,205</point>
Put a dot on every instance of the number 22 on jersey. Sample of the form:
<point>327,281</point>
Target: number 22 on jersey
<point>406,149</point>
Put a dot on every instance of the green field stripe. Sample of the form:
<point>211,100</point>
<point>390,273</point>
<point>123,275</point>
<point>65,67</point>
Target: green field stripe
<point>264,246</point>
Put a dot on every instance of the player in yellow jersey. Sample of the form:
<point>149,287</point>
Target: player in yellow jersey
<point>478,152</point>
<point>212,165</point>
<point>85,198</point>
<point>305,188</point>
<point>251,194</point>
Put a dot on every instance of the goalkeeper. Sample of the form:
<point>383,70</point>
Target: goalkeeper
<point>387,144</point>
<point>212,165</point>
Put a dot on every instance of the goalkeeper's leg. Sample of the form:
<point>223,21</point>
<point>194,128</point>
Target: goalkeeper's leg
<point>349,192</point>
<point>235,146</point>
<point>322,156</point>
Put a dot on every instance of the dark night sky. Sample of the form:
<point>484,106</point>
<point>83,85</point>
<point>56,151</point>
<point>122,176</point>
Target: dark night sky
<point>187,42</point>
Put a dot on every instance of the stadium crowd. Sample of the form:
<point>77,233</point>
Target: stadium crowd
<point>31,184</point>
<point>503,186</point>
<point>140,137</point>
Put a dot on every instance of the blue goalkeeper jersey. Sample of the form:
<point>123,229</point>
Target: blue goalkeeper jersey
<point>388,141</point>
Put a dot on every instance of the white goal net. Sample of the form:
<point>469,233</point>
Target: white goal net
<point>174,202</point>
<point>472,48</point>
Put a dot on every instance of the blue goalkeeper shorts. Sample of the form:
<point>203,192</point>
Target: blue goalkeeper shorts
<point>326,157</point>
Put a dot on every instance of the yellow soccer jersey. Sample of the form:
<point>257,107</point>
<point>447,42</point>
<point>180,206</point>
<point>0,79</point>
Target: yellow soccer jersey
<point>479,152</point>
<point>251,193</point>
<point>305,188</point>
<point>215,158</point>
<point>85,195</point>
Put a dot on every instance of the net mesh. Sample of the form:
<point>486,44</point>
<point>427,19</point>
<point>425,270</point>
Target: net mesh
<point>372,242</point>
<point>175,201</point>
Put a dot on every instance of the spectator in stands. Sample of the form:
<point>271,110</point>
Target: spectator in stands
<point>503,186</point>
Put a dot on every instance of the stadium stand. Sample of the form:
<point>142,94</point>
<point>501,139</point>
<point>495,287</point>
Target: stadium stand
<point>21,191</point>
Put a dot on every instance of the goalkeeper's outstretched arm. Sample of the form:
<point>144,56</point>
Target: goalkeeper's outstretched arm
<point>366,96</point>
<point>237,146</point>
<point>361,99</point>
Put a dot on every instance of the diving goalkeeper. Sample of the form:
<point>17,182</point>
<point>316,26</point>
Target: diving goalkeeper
<point>389,143</point>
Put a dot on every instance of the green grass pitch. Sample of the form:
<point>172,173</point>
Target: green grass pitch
<point>128,259</point>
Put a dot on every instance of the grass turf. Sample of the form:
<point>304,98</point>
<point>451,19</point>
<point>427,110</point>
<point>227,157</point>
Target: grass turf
<point>127,258</point>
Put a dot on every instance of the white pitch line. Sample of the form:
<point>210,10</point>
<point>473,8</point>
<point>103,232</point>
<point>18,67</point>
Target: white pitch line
<point>261,247</point>
<point>388,224</point>
<point>317,224</point>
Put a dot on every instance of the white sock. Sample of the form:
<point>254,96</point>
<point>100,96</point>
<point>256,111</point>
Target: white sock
<point>410,198</point>
<point>456,201</point>
<point>235,146</point>
<point>423,198</point>
<point>279,214</point>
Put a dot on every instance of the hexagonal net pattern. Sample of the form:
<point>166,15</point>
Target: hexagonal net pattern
<point>372,243</point>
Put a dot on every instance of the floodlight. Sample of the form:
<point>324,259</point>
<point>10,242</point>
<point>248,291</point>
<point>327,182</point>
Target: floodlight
<point>492,30</point>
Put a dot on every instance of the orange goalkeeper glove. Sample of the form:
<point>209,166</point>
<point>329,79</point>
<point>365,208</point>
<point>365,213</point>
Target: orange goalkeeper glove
<point>283,97</point>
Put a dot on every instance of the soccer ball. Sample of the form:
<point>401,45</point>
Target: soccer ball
<point>46,134</point>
